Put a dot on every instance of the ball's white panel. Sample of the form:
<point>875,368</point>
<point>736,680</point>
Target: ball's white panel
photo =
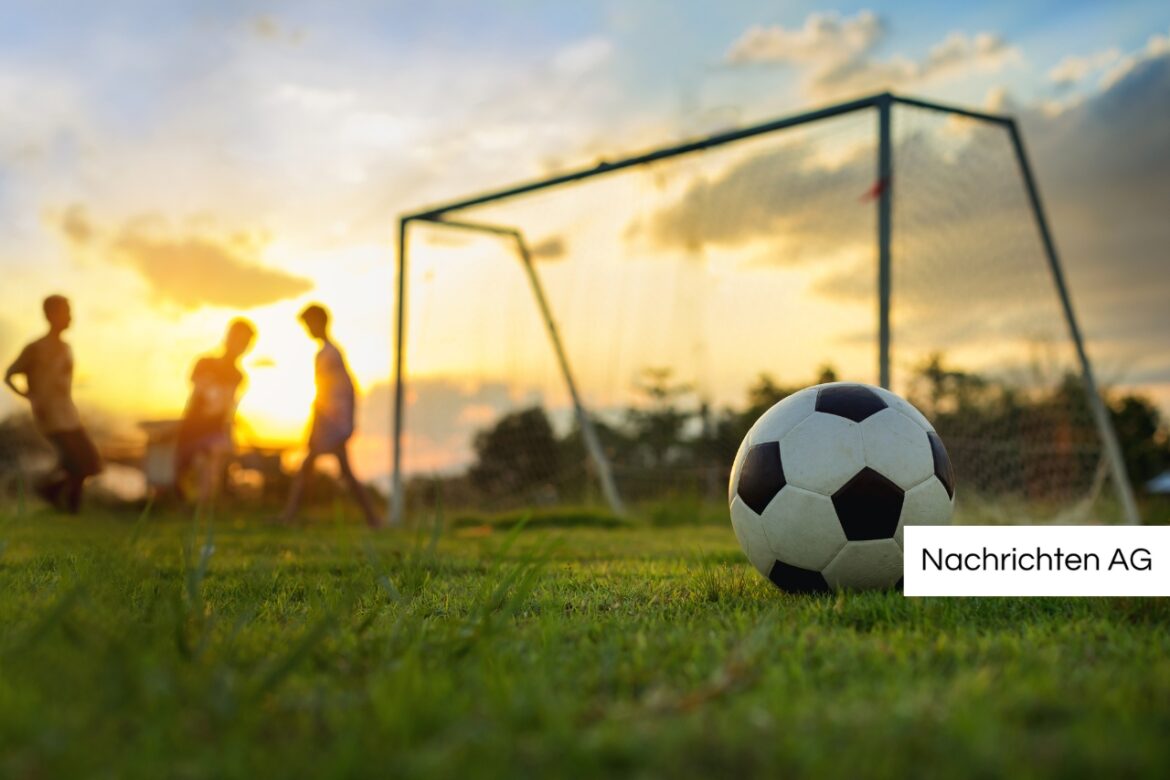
<point>822,453</point>
<point>895,401</point>
<point>750,533</point>
<point>865,565</point>
<point>783,416</point>
<point>802,528</point>
<point>926,504</point>
<point>897,448</point>
<point>736,467</point>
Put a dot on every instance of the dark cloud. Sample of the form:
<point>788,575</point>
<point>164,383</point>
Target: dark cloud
<point>552,248</point>
<point>778,193</point>
<point>191,268</point>
<point>1104,167</point>
<point>962,232</point>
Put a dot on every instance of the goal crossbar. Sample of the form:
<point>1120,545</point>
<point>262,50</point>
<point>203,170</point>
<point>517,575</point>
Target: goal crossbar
<point>687,147</point>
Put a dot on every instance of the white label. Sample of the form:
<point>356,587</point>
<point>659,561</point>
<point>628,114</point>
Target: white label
<point>1036,560</point>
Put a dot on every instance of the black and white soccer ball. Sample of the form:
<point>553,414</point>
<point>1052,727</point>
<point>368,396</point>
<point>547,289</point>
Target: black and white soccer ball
<point>825,481</point>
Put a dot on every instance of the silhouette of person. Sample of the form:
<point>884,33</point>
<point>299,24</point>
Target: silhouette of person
<point>47,366</point>
<point>333,413</point>
<point>205,433</point>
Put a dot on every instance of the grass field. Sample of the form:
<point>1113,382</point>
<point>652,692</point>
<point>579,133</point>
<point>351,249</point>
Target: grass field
<point>157,648</point>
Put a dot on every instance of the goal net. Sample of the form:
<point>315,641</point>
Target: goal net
<point>680,297</point>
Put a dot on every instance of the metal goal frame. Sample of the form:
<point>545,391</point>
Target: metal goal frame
<point>882,105</point>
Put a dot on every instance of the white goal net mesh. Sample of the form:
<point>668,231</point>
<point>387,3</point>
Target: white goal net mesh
<point>692,293</point>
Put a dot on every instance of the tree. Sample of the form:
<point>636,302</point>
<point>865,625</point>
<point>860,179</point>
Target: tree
<point>938,389</point>
<point>518,453</point>
<point>827,374</point>
<point>658,425</point>
<point>764,394</point>
<point>1142,437</point>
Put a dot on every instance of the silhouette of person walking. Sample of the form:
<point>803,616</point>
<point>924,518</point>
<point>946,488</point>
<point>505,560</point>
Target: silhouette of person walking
<point>205,433</point>
<point>333,413</point>
<point>47,367</point>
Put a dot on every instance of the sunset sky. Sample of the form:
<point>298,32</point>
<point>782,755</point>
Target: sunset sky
<point>171,166</point>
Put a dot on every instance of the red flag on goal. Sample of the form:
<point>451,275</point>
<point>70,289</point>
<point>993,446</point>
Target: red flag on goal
<point>876,190</point>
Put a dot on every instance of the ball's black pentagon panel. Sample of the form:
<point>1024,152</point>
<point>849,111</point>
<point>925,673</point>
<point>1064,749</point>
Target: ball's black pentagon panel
<point>942,463</point>
<point>761,477</point>
<point>794,579</point>
<point>868,506</point>
<point>853,402</point>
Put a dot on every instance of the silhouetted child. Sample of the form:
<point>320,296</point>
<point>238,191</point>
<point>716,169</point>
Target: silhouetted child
<point>47,366</point>
<point>205,433</point>
<point>333,413</point>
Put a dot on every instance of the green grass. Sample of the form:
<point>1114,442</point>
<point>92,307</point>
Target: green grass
<point>157,649</point>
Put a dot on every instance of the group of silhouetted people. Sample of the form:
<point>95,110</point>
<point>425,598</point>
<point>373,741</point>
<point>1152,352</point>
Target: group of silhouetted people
<point>204,441</point>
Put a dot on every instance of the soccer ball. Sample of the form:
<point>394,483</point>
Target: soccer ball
<point>826,479</point>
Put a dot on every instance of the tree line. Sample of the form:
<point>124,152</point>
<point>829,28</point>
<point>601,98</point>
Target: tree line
<point>1029,438</point>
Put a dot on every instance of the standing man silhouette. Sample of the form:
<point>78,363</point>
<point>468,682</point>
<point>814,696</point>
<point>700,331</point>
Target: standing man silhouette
<point>333,412</point>
<point>47,367</point>
<point>205,433</point>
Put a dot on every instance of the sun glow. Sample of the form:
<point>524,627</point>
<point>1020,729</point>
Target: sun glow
<point>277,401</point>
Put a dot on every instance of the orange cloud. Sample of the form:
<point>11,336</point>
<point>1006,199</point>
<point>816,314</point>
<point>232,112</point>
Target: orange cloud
<point>191,268</point>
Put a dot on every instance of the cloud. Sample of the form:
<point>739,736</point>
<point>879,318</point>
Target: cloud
<point>190,269</point>
<point>782,194</point>
<point>1074,69</point>
<point>200,270</point>
<point>963,230</point>
<point>270,28</point>
<point>551,248</point>
<point>837,54</point>
<point>583,56</point>
<point>311,98</point>
<point>75,225</point>
<point>1157,46</point>
<point>823,38</point>
<point>1103,166</point>
<point>320,140</point>
<point>442,417</point>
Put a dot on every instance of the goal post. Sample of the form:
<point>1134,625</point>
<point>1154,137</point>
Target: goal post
<point>1096,405</point>
<point>913,244</point>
